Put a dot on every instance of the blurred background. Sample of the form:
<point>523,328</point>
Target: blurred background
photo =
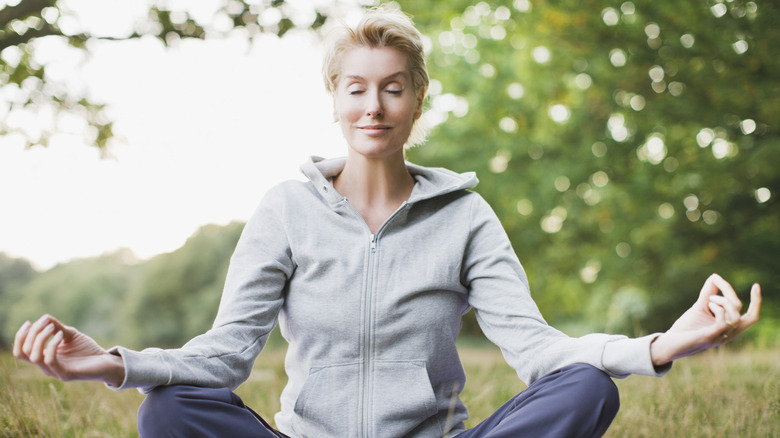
<point>630,149</point>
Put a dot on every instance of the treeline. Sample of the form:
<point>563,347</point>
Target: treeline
<point>117,299</point>
<point>168,299</point>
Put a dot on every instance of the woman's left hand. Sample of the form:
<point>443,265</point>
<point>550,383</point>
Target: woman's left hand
<point>713,320</point>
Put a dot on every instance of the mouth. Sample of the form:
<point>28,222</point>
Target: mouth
<point>374,130</point>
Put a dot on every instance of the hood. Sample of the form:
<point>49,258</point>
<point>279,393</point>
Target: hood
<point>430,181</point>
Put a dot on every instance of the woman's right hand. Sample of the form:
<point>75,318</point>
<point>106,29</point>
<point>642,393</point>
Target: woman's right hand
<point>65,353</point>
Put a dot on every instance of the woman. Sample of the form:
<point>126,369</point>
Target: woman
<point>368,268</point>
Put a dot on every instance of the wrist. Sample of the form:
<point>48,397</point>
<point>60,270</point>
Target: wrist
<point>658,354</point>
<point>116,370</point>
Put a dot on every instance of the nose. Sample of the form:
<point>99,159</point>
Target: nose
<point>374,105</point>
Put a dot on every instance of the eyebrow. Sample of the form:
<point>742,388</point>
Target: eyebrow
<point>392,76</point>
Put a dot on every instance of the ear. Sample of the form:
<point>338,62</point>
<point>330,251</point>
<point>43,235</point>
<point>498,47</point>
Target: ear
<point>335,113</point>
<point>420,99</point>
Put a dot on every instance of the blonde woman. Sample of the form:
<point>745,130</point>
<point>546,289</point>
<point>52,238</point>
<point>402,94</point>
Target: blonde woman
<point>368,268</point>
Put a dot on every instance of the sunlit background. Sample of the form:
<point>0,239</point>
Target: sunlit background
<point>630,149</point>
<point>203,128</point>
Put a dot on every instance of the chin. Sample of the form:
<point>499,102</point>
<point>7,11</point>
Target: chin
<point>376,151</point>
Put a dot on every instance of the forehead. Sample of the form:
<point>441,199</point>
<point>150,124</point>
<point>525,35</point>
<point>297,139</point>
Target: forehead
<point>374,63</point>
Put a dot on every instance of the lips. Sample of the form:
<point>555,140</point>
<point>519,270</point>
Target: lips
<point>374,130</point>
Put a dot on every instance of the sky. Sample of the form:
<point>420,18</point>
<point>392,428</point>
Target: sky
<point>203,130</point>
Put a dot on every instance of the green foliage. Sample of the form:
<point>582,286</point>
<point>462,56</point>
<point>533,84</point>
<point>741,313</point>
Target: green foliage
<point>13,274</point>
<point>87,292</point>
<point>31,91</point>
<point>116,299</point>
<point>178,295</point>
<point>629,150</point>
<point>625,147</point>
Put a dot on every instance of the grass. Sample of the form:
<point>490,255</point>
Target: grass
<point>727,392</point>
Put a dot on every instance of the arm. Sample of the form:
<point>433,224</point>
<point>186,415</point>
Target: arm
<point>509,317</point>
<point>712,320</point>
<point>248,310</point>
<point>223,356</point>
<point>65,353</point>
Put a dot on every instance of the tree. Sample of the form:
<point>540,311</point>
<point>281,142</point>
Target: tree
<point>116,298</point>
<point>88,293</point>
<point>629,149</point>
<point>28,92</point>
<point>178,294</point>
<point>13,274</point>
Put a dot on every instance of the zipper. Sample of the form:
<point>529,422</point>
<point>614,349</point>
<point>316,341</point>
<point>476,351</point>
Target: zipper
<point>367,337</point>
<point>368,320</point>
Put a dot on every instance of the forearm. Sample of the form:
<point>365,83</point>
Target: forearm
<point>658,353</point>
<point>115,372</point>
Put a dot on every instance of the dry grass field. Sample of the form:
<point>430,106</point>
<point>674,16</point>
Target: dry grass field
<point>729,392</point>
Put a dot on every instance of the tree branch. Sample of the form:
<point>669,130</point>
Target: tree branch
<point>24,9</point>
<point>15,39</point>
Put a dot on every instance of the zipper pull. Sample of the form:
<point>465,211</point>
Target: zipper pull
<point>373,243</point>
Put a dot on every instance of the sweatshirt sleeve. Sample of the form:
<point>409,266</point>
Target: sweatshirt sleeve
<point>253,294</point>
<point>506,313</point>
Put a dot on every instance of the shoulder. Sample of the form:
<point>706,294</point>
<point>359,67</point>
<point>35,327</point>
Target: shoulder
<point>286,192</point>
<point>283,199</point>
<point>290,187</point>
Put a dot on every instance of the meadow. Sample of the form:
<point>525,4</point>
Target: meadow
<point>729,392</point>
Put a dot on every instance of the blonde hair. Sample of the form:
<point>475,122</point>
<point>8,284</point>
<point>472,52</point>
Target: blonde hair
<point>380,27</point>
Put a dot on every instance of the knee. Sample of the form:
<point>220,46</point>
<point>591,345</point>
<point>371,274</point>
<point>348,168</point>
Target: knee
<point>596,388</point>
<point>160,405</point>
<point>165,410</point>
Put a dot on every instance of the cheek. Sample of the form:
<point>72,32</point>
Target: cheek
<point>348,113</point>
<point>406,111</point>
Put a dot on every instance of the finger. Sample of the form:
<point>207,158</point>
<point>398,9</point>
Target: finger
<point>728,292</point>
<point>732,313</point>
<point>36,354</point>
<point>36,328</point>
<point>67,331</point>
<point>708,289</point>
<point>719,335</point>
<point>50,355</point>
<point>719,312</point>
<point>19,340</point>
<point>754,308</point>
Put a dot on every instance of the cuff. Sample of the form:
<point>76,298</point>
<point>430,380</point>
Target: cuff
<point>115,352</point>
<point>625,356</point>
<point>144,370</point>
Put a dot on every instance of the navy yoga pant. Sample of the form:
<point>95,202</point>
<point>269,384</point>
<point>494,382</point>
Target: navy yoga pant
<point>575,401</point>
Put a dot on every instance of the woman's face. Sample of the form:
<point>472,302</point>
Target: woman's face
<point>375,102</point>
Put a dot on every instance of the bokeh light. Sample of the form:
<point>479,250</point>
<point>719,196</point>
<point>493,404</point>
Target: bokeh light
<point>610,16</point>
<point>763,195</point>
<point>541,55</point>
<point>559,113</point>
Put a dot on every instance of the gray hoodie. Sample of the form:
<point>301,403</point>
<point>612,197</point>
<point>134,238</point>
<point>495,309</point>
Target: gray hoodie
<point>372,319</point>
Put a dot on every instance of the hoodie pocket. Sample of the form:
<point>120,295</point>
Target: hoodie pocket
<point>401,402</point>
<point>327,405</point>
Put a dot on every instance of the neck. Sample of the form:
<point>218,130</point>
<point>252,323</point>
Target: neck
<point>374,180</point>
<point>375,187</point>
